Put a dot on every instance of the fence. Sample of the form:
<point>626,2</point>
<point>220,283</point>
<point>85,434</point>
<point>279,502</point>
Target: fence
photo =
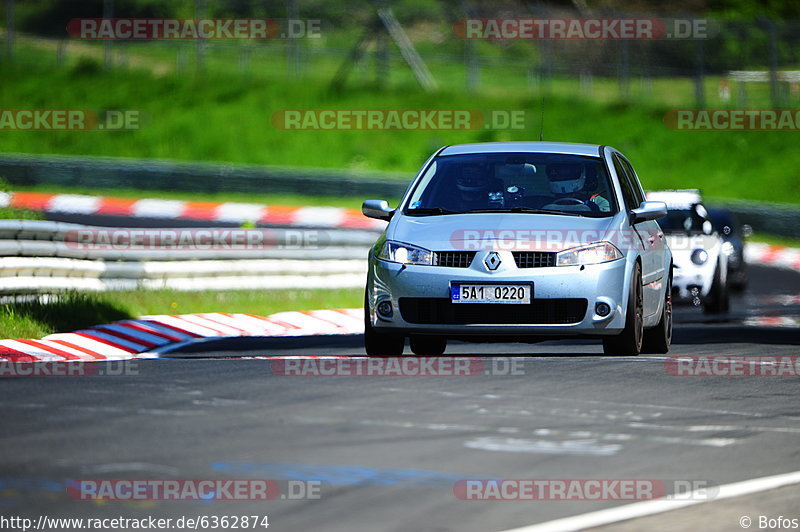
<point>633,67</point>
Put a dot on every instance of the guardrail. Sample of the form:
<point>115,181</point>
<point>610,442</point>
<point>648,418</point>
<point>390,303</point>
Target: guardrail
<point>768,218</point>
<point>40,257</point>
<point>113,172</point>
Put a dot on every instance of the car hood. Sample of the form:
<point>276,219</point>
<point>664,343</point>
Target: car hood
<point>683,245</point>
<point>511,231</point>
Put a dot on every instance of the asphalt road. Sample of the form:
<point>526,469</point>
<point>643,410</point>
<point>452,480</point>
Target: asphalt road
<point>387,451</point>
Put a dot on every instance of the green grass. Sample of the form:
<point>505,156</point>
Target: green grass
<point>7,213</point>
<point>775,240</point>
<point>73,311</point>
<point>228,118</point>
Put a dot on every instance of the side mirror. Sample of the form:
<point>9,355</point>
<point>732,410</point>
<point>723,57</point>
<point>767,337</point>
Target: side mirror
<point>648,210</point>
<point>378,209</point>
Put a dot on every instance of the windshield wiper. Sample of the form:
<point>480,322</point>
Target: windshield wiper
<point>531,210</point>
<point>432,210</point>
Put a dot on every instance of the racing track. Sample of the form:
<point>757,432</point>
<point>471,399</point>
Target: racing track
<point>389,449</point>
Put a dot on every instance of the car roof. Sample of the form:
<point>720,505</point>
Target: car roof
<point>565,148</point>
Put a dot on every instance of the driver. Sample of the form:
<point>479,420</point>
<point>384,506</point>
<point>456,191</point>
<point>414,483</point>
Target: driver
<point>569,181</point>
<point>473,187</point>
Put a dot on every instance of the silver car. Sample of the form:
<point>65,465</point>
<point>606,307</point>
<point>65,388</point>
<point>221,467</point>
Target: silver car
<point>520,241</point>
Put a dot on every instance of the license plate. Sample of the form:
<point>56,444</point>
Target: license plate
<point>490,293</point>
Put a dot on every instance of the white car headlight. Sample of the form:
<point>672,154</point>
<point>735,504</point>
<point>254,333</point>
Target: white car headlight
<point>727,248</point>
<point>591,254</point>
<point>405,254</point>
<point>699,256</point>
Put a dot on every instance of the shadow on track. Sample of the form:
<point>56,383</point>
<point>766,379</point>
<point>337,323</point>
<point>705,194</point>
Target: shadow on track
<point>736,335</point>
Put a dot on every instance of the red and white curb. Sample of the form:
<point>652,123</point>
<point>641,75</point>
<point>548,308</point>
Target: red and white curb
<point>279,215</point>
<point>778,256</point>
<point>128,339</point>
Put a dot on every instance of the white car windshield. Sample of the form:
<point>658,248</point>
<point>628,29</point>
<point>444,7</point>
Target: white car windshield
<point>514,182</point>
<point>685,221</point>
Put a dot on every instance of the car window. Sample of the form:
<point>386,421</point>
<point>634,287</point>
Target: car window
<point>636,188</point>
<point>690,221</point>
<point>625,185</point>
<point>468,183</point>
<point>423,183</point>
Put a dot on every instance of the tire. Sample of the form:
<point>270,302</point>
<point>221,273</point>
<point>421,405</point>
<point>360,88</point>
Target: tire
<point>629,341</point>
<point>658,339</point>
<point>428,345</point>
<point>378,343</point>
<point>718,299</point>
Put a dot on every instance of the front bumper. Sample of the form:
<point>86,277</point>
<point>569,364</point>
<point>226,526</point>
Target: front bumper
<point>607,283</point>
<point>689,278</point>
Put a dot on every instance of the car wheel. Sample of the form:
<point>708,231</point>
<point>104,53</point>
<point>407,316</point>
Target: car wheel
<point>718,299</point>
<point>739,282</point>
<point>658,339</point>
<point>428,345</point>
<point>629,341</point>
<point>378,343</point>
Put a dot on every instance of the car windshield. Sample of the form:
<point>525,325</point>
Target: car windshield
<point>723,222</point>
<point>514,182</point>
<point>684,221</point>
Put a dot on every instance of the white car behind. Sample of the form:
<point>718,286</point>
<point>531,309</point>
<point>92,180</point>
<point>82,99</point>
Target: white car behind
<point>700,262</point>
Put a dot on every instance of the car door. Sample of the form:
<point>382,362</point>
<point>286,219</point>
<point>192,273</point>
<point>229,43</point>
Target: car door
<point>648,234</point>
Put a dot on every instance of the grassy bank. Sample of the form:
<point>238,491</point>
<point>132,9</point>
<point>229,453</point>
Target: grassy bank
<point>775,240</point>
<point>229,118</point>
<point>75,311</point>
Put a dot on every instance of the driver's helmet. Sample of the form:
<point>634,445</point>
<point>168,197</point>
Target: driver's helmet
<point>472,182</point>
<point>566,178</point>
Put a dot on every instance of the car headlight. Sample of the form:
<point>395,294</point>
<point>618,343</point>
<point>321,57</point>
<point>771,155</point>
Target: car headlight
<point>699,256</point>
<point>405,254</point>
<point>727,248</point>
<point>591,254</point>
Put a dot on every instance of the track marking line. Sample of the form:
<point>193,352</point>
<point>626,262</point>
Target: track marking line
<point>647,508</point>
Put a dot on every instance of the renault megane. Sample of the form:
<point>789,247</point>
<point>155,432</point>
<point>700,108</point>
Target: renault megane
<point>520,241</point>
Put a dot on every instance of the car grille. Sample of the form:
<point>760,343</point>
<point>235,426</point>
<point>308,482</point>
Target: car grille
<point>426,310</point>
<point>453,259</point>
<point>534,259</point>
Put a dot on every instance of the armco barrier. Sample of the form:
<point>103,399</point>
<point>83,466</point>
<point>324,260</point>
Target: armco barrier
<point>28,275</point>
<point>768,218</point>
<point>112,172</point>
<point>43,257</point>
<point>36,238</point>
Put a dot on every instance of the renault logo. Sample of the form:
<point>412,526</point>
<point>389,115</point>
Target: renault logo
<point>492,260</point>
